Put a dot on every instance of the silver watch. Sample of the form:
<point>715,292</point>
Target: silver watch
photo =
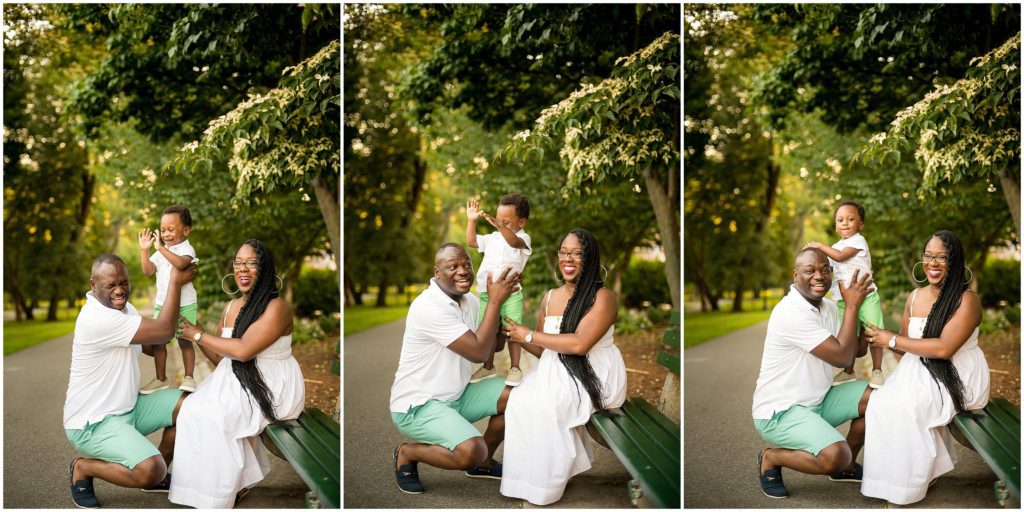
<point>529,338</point>
<point>892,341</point>
<point>197,336</point>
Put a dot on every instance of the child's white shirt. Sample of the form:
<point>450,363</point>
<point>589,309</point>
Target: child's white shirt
<point>499,255</point>
<point>163,274</point>
<point>843,270</point>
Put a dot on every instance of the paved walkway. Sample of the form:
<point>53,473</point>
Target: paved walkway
<point>721,445</point>
<point>371,359</point>
<point>36,451</point>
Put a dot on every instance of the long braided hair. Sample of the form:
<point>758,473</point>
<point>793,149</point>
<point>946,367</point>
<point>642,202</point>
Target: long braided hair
<point>582,300</point>
<point>260,295</point>
<point>950,294</point>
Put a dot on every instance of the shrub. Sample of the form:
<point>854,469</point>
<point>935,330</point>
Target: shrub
<point>999,282</point>
<point>631,321</point>
<point>317,290</point>
<point>644,281</point>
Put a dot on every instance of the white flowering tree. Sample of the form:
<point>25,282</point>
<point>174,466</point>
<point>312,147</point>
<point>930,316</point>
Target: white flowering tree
<point>625,127</point>
<point>969,130</point>
<point>288,137</point>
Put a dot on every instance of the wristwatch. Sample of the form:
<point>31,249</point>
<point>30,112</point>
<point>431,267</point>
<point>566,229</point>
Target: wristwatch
<point>529,338</point>
<point>892,341</point>
<point>198,335</point>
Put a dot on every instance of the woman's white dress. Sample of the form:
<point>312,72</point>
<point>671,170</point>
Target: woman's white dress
<point>217,451</point>
<point>545,418</point>
<point>907,443</point>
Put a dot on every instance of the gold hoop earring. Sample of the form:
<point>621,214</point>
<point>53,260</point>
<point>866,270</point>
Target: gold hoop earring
<point>913,272</point>
<point>558,278</point>
<point>968,281</point>
<point>605,277</point>
<point>224,286</point>
<point>280,286</point>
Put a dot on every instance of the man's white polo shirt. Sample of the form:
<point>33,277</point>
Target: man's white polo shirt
<point>790,374</point>
<point>104,364</point>
<point>427,369</point>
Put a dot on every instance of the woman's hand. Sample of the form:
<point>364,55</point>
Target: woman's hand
<point>877,337</point>
<point>515,331</point>
<point>188,330</point>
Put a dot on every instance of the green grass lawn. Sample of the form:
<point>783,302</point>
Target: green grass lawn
<point>361,318</point>
<point>22,335</point>
<point>701,327</point>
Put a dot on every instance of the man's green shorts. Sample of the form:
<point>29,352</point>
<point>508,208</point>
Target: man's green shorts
<point>122,438</point>
<point>813,428</point>
<point>449,423</point>
<point>512,307</point>
<point>188,312</point>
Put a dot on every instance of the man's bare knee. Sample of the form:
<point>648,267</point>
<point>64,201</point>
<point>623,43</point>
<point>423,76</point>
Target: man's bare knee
<point>471,453</point>
<point>835,457</point>
<point>150,471</point>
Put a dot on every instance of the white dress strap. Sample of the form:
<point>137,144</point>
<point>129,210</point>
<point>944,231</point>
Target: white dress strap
<point>547,302</point>
<point>224,315</point>
<point>913,297</point>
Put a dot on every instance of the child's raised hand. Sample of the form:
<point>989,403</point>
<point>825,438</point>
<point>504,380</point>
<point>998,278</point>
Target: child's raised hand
<point>146,239</point>
<point>473,209</point>
<point>157,242</point>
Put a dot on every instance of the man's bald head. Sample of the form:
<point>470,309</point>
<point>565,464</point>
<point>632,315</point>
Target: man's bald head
<point>104,259</point>
<point>443,251</point>
<point>810,255</point>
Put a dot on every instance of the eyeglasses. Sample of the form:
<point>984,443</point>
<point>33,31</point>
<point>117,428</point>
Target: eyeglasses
<point>249,264</point>
<point>574,255</point>
<point>941,259</point>
<point>809,271</point>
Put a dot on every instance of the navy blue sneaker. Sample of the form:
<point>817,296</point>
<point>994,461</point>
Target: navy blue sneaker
<point>771,480</point>
<point>854,475</point>
<point>493,472</point>
<point>82,492</point>
<point>161,486</point>
<point>407,476</point>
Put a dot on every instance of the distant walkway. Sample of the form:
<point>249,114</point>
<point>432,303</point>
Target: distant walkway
<point>721,444</point>
<point>36,451</point>
<point>371,358</point>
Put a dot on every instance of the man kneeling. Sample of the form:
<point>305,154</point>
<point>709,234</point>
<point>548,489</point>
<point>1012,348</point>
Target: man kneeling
<point>795,406</point>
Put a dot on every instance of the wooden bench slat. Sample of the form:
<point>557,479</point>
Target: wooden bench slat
<point>671,337</point>
<point>995,435</point>
<point>670,361</point>
<point>312,446</point>
<point>649,451</point>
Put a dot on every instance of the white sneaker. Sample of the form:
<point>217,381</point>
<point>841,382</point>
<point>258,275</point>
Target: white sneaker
<point>188,384</point>
<point>154,385</point>
<point>877,379</point>
<point>842,378</point>
<point>515,377</point>
<point>482,374</point>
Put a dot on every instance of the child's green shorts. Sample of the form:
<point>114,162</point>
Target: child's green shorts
<point>122,438</point>
<point>870,311</point>
<point>813,428</point>
<point>512,307</point>
<point>190,312</point>
<point>449,423</point>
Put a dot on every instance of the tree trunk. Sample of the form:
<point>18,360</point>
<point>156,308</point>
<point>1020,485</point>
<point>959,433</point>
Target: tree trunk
<point>662,196</point>
<point>382,294</point>
<point>327,197</point>
<point>51,310</point>
<point>1011,190</point>
<point>737,300</point>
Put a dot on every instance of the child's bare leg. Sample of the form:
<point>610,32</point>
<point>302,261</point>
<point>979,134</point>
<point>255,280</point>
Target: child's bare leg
<point>188,357</point>
<point>160,359</point>
<point>514,350</point>
<point>876,358</point>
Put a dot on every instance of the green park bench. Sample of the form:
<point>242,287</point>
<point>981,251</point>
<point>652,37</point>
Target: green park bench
<point>994,433</point>
<point>646,441</point>
<point>312,445</point>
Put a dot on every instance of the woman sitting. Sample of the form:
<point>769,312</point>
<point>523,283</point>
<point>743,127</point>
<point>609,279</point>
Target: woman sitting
<point>580,372</point>
<point>257,382</point>
<point>942,373</point>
